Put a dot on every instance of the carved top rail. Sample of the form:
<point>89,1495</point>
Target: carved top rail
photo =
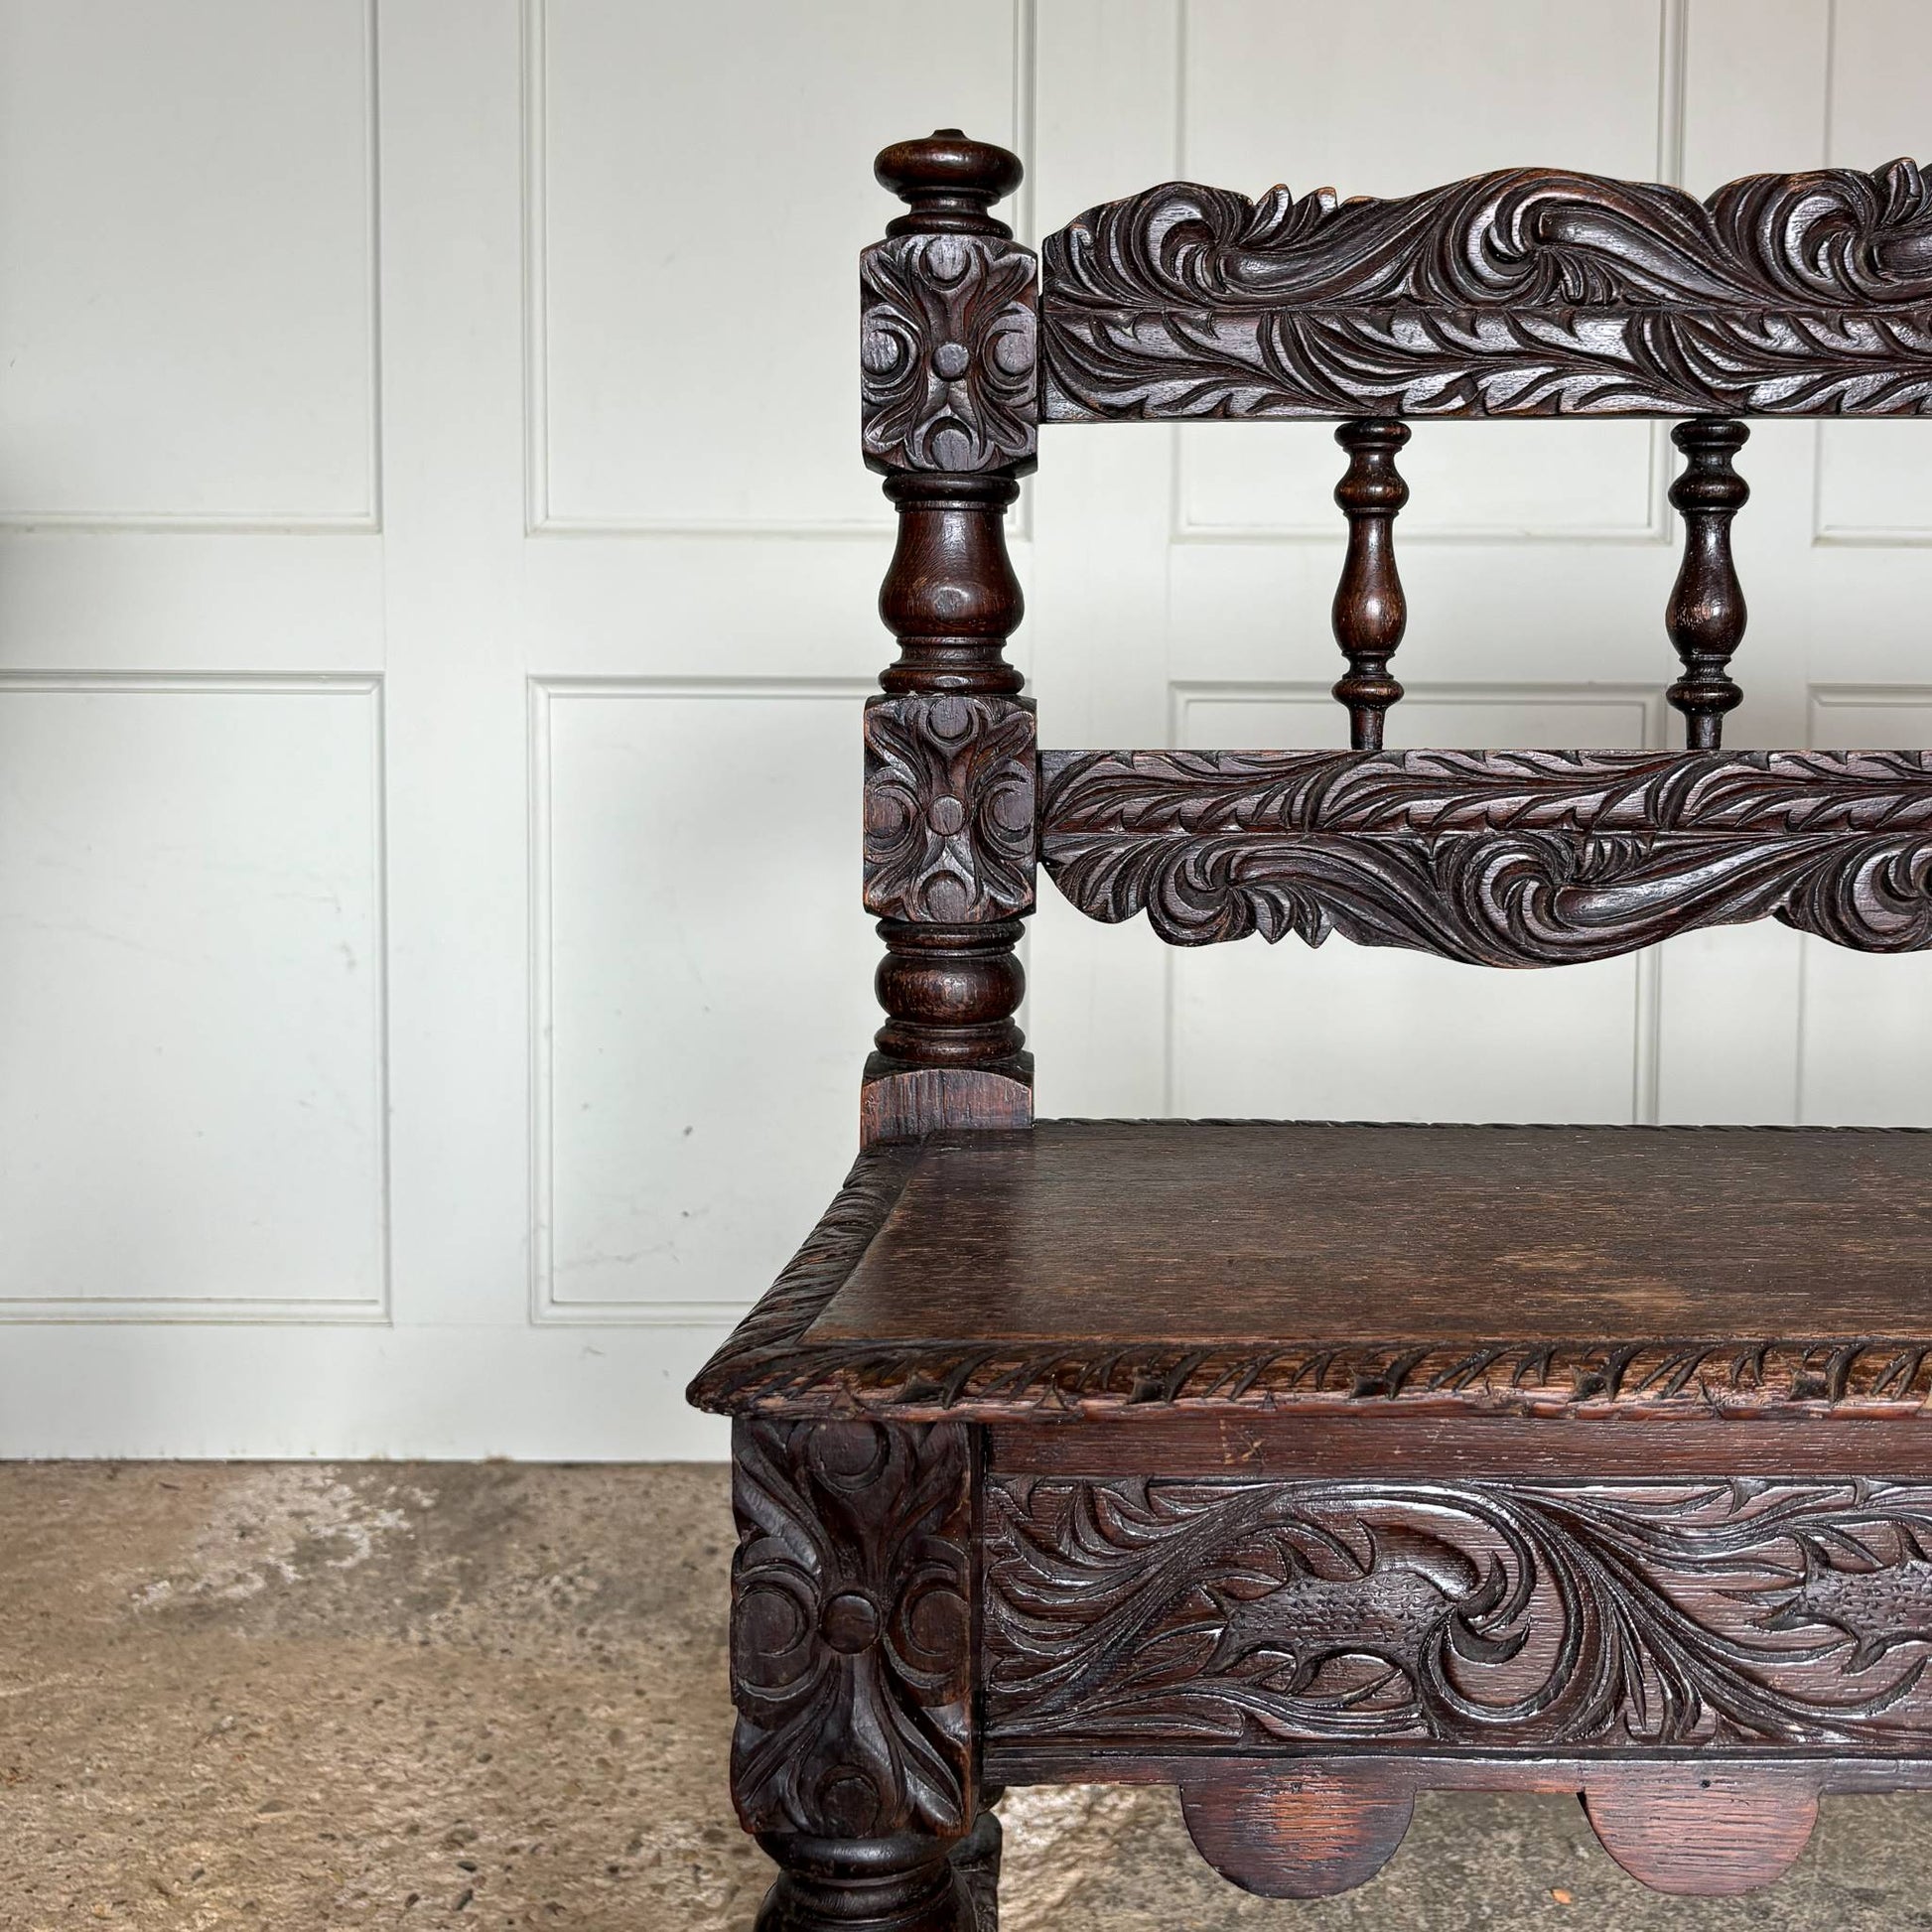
<point>1527,292</point>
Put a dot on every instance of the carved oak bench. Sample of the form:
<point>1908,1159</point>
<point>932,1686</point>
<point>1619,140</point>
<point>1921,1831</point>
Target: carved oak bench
<point>1307,1465</point>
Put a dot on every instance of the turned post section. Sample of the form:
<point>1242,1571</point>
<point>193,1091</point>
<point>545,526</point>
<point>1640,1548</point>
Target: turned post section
<point>1705,613</point>
<point>948,354</point>
<point>1370,610</point>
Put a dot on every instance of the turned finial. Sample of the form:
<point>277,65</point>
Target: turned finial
<point>948,183</point>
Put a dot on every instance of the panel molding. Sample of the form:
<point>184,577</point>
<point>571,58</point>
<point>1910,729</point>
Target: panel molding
<point>546,1307</point>
<point>540,517</point>
<point>1657,524</point>
<point>279,523</point>
<point>1647,1008</point>
<point>353,1310</point>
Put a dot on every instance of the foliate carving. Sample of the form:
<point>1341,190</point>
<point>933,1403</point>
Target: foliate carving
<point>950,808</point>
<point>949,353</point>
<point>852,1628</point>
<point>1211,1614</point>
<point>1495,858</point>
<point>1524,292</point>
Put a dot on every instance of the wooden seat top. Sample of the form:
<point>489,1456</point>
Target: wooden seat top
<point>1533,1269</point>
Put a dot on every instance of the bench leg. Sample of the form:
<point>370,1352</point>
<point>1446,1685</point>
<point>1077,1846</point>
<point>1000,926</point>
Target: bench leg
<point>854,1759</point>
<point>907,1883</point>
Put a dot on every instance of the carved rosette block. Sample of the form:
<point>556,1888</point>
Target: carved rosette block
<point>950,808</point>
<point>949,353</point>
<point>1213,1617</point>
<point>851,1629</point>
<point>1495,858</point>
<point>1527,292</point>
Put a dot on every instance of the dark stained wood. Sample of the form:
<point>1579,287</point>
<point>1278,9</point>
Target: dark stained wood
<point>852,1626</point>
<point>1528,292</point>
<point>1703,1830</point>
<point>1301,1833</point>
<point>949,409</point>
<point>1208,1615</point>
<point>1370,610</point>
<point>1309,1466</point>
<point>1495,858</point>
<point>1706,614</point>
<point>1364,1442</point>
<point>1105,1267</point>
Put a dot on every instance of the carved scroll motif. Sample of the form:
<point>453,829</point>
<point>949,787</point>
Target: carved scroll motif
<point>1171,1614</point>
<point>949,353</point>
<point>1523,292</point>
<point>1495,858</point>
<point>950,808</point>
<point>852,1628</point>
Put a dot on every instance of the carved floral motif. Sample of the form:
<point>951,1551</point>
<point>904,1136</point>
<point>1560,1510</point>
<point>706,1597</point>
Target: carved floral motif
<point>948,350</point>
<point>950,804</point>
<point>1174,1614</point>
<point>852,1628</point>
<point>1523,292</point>
<point>1495,858</point>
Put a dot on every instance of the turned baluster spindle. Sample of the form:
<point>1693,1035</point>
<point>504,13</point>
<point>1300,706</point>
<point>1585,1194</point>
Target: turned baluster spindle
<point>1371,613</point>
<point>1706,614</point>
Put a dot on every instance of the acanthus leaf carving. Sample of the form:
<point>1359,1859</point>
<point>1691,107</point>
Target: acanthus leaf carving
<point>949,353</point>
<point>852,1628</point>
<point>1522,291</point>
<point>1495,858</point>
<point>1191,1614</point>
<point>951,802</point>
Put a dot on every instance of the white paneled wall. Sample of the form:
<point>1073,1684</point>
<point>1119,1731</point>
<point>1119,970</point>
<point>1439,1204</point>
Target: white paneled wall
<point>435,591</point>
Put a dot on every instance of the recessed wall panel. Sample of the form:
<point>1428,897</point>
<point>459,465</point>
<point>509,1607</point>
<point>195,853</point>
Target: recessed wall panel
<point>186,263</point>
<point>704,977</point>
<point>694,299</point>
<point>191,1112</point>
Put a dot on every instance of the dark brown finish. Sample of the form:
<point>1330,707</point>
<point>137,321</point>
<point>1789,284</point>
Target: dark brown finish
<point>1704,1827</point>
<point>1370,610</point>
<point>949,414</point>
<point>1495,858</point>
<point>1706,614</point>
<point>950,807</point>
<point>852,1613</point>
<point>1660,1273</point>
<point>1530,292</point>
<point>1365,1441</point>
<point>1303,1833</point>
<point>1307,1467</point>
<point>1210,1615</point>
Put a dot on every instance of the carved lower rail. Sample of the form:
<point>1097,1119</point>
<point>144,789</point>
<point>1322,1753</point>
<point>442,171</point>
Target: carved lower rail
<point>1698,1658</point>
<point>1495,858</point>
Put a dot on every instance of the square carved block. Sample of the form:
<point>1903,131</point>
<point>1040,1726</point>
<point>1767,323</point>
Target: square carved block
<point>951,800</point>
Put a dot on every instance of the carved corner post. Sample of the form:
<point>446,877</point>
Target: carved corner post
<point>1370,611</point>
<point>854,1759</point>
<point>1705,613</point>
<point>949,353</point>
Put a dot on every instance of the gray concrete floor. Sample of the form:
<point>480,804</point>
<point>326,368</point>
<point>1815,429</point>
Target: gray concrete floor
<point>400,1694</point>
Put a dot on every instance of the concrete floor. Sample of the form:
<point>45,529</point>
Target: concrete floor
<point>396,1695</point>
